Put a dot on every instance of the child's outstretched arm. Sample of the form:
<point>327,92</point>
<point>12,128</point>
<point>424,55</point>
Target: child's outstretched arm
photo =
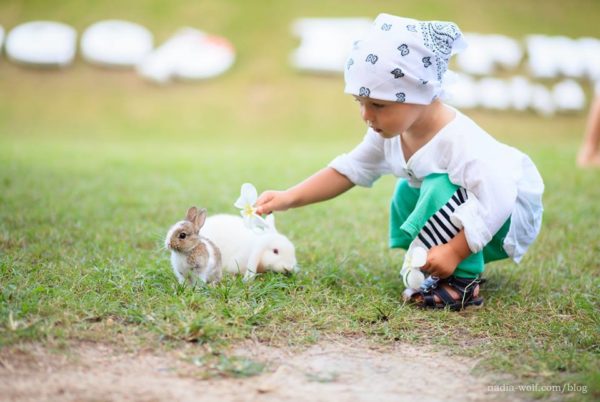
<point>323,185</point>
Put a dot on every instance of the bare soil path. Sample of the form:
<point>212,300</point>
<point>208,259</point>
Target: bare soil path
<point>334,370</point>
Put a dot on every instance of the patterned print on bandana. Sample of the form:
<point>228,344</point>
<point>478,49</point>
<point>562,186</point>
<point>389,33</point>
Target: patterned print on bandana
<point>402,59</point>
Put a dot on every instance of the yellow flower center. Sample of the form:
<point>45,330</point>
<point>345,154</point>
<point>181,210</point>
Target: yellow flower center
<point>248,210</point>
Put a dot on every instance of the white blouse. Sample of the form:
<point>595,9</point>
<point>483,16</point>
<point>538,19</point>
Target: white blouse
<point>501,181</point>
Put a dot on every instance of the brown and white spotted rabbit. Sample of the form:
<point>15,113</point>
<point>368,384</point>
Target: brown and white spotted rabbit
<point>193,257</point>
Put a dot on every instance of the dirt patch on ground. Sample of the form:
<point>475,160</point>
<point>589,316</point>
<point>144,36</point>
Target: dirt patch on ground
<point>340,370</point>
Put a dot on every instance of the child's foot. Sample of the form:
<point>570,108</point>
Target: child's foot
<point>454,293</point>
<point>588,159</point>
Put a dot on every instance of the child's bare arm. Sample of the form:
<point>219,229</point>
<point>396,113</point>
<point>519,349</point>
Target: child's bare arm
<point>323,185</point>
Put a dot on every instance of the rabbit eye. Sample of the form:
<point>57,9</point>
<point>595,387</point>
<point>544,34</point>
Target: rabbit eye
<point>182,235</point>
<point>276,251</point>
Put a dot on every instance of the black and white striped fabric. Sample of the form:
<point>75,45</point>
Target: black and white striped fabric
<point>439,229</point>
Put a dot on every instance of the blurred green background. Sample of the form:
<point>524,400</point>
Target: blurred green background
<point>261,98</point>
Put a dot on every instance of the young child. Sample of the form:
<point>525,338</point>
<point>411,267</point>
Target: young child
<point>464,196</point>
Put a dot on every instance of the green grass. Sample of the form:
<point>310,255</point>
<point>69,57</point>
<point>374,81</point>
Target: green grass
<point>95,165</point>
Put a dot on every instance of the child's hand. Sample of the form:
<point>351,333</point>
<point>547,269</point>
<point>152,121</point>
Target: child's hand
<point>270,201</point>
<point>441,261</point>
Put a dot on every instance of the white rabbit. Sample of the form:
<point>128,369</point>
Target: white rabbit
<point>247,252</point>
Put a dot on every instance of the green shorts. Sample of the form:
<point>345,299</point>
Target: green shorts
<point>412,207</point>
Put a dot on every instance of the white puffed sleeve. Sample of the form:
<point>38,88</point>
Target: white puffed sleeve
<point>492,196</point>
<point>365,163</point>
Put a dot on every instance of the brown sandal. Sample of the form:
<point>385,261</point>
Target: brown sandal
<point>465,287</point>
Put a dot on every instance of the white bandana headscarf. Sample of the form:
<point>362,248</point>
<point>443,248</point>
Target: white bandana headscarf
<point>402,59</point>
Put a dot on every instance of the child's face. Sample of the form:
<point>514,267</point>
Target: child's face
<point>388,119</point>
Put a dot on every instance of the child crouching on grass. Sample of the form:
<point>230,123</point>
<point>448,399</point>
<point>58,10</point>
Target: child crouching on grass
<point>461,194</point>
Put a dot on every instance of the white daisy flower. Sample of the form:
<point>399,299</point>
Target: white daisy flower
<point>248,197</point>
<point>411,273</point>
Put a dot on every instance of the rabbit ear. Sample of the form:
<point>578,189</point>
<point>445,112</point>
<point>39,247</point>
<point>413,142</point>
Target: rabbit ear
<point>196,216</point>
<point>270,219</point>
<point>191,214</point>
<point>200,218</point>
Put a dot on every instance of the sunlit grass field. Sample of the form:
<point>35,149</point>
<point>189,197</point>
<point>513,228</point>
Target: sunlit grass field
<point>96,164</point>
